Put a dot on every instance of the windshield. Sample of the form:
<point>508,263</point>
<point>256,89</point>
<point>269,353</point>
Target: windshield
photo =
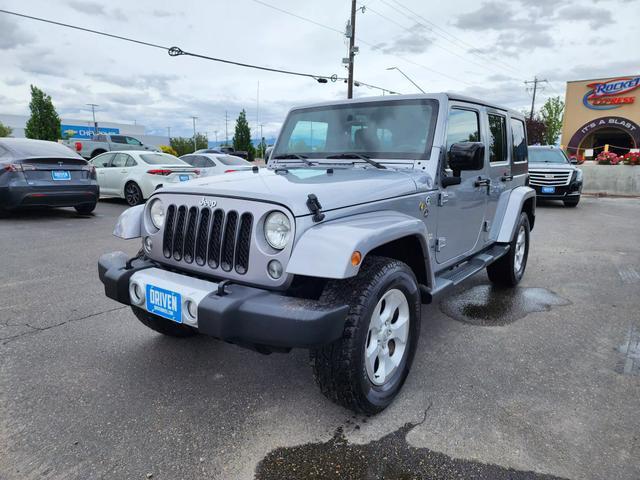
<point>394,129</point>
<point>161,159</point>
<point>231,160</point>
<point>546,155</point>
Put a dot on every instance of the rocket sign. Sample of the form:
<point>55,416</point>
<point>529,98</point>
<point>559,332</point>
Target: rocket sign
<point>607,95</point>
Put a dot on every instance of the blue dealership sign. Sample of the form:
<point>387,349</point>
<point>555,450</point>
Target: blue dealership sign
<point>84,131</point>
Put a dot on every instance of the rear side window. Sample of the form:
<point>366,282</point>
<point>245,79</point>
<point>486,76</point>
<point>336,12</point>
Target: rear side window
<point>131,162</point>
<point>120,160</point>
<point>497,138</point>
<point>519,141</point>
<point>464,126</point>
<point>190,159</point>
<point>118,139</point>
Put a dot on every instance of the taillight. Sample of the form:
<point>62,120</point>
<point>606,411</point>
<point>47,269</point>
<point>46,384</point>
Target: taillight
<point>159,171</point>
<point>229,171</point>
<point>92,171</point>
<point>196,171</point>
<point>78,146</point>
<point>12,167</point>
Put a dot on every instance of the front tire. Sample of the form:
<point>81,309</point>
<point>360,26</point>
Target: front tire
<point>508,270</point>
<point>133,194</point>
<point>365,369</point>
<point>572,202</point>
<point>162,325</point>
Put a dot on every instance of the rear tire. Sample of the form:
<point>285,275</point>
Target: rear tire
<point>85,209</point>
<point>572,202</point>
<point>162,325</point>
<point>365,369</point>
<point>508,270</point>
<point>133,194</point>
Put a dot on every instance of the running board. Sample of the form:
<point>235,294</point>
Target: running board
<point>454,276</point>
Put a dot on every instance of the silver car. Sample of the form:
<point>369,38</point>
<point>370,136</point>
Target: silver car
<point>368,209</point>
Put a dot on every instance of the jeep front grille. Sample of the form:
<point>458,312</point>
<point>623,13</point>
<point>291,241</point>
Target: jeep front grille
<point>549,177</point>
<point>207,236</point>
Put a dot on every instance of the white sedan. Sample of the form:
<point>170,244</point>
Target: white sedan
<point>216,163</point>
<point>134,175</point>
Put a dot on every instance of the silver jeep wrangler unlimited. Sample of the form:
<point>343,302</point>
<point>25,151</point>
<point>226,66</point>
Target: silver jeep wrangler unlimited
<point>368,209</point>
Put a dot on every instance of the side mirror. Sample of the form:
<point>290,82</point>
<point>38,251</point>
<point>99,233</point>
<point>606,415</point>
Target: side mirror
<point>466,156</point>
<point>573,161</point>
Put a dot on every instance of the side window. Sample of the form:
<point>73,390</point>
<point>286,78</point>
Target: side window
<point>99,138</point>
<point>519,141</point>
<point>118,139</point>
<point>464,126</point>
<point>190,159</point>
<point>131,162</point>
<point>133,141</point>
<point>120,160</point>
<point>206,162</point>
<point>103,161</point>
<point>497,138</point>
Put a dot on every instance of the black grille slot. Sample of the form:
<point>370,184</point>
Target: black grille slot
<point>167,238</point>
<point>215,239</point>
<point>244,243</point>
<point>178,238</point>
<point>201,237</point>
<point>190,235</point>
<point>229,241</point>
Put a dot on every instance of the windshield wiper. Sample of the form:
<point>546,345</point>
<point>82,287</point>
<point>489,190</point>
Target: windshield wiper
<point>293,156</point>
<point>358,155</point>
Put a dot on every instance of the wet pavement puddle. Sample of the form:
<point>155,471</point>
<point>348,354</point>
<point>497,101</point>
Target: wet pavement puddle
<point>488,305</point>
<point>390,458</point>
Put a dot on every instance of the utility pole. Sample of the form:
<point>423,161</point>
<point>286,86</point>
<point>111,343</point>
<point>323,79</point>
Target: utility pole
<point>226,128</point>
<point>195,147</point>
<point>535,83</point>
<point>258,107</point>
<point>93,111</point>
<point>216,134</point>
<point>169,133</point>
<point>352,40</point>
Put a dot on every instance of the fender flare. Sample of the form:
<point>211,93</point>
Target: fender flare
<point>325,250</point>
<point>515,205</point>
<point>129,224</point>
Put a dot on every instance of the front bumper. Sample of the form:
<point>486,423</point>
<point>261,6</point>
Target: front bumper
<point>244,315</point>
<point>574,189</point>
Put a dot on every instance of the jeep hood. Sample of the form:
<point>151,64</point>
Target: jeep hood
<point>342,188</point>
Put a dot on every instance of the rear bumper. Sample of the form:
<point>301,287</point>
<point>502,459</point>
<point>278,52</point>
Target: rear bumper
<point>12,197</point>
<point>243,315</point>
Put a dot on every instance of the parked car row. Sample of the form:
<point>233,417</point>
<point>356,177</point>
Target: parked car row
<point>102,143</point>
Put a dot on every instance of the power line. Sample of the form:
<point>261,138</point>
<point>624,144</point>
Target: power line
<point>177,51</point>
<point>299,17</point>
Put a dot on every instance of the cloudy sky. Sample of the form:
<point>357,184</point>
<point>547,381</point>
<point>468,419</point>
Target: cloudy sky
<point>481,48</point>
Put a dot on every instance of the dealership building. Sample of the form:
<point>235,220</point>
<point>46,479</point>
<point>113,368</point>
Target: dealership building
<point>601,114</point>
<point>83,129</point>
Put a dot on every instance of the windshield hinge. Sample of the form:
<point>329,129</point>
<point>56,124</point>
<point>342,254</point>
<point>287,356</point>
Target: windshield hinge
<point>313,204</point>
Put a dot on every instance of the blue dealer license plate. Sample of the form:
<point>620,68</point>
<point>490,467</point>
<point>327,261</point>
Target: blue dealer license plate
<point>61,174</point>
<point>165,303</point>
<point>184,178</point>
<point>548,189</point>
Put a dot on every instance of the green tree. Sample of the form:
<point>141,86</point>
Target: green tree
<point>262,147</point>
<point>242,135</point>
<point>44,123</point>
<point>5,130</point>
<point>551,113</point>
<point>535,131</point>
<point>184,145</point>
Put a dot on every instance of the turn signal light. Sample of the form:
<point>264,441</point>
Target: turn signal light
<point>356,258</point>
<point>160,171</point>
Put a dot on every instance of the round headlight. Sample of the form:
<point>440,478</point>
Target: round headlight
<point>277,230</point>
<point>156,213</point>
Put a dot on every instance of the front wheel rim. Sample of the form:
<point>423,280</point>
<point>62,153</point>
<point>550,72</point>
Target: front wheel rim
<point>520,249</point>
<point>387,337</point>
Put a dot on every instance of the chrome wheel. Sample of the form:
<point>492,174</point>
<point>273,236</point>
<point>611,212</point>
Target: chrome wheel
<point>387,337</point>
<point>132,194</point>
<point>520,249</point>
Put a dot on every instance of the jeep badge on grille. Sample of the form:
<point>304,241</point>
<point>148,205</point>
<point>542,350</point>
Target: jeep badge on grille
<point>207,202</point>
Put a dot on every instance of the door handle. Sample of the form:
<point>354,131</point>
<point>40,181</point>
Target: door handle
<point>123,171</point>
<point>482,182</point>
<point>506,178</point>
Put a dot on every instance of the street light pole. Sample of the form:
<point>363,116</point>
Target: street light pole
<point>169,133</point>
<point>407,77</point>
<point>352,53</point>
<point>195,146</point>
<point>93,111</point>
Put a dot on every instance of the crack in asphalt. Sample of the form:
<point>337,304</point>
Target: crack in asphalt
<point>33,329</point>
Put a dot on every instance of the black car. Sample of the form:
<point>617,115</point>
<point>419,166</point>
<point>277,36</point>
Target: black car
<point>37,173</point>
<point>553,176</point>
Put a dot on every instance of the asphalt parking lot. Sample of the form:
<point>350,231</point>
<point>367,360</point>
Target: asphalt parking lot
<point>540,382</point>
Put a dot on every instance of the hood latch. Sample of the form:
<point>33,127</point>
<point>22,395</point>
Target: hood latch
<point>313,204</point>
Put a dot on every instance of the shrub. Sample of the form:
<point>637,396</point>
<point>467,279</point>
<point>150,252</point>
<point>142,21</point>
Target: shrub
<point>631,158</point>
<point>169,150</point>
<point>608,158</point>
